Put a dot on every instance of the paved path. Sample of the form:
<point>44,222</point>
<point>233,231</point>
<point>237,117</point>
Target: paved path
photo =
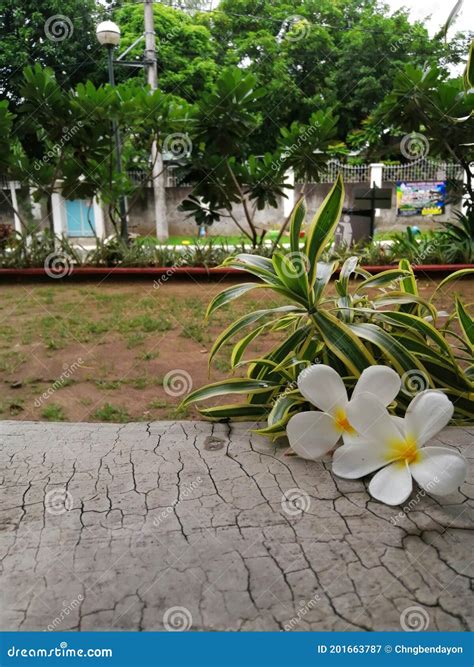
<point>147,526</point>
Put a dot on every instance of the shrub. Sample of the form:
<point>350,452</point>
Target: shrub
<point>381,320</point>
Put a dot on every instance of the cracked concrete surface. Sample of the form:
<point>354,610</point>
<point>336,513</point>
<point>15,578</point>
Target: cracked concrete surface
<point>107,526</point>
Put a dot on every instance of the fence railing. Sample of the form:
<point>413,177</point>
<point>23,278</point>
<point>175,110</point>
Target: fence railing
<point>423,169</point>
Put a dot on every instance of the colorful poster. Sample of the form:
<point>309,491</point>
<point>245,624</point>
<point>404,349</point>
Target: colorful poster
<point>421,197</point>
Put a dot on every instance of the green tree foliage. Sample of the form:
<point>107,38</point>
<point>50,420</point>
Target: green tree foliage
<point>320,53</point>
<point>185,52</point>
<point>59,34</point>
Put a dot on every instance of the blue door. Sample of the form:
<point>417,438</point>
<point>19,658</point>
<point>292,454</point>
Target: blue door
<point>78,215</point>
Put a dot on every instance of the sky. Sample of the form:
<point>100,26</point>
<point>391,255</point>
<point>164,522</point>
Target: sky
<point>439,9</point>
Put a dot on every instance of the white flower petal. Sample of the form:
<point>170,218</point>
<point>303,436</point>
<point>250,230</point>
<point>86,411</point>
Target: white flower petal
<point>372,421</point>
<point>352,439</point>
<point>354,461</point>
<point>427,414</point>
<point>392,485</point>
<point>322,386</point>
<point>381,381</point>
<point>440,470</point>
<point>311,434</point>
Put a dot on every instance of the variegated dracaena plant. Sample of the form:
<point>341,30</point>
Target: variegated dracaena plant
<point>350,331</point>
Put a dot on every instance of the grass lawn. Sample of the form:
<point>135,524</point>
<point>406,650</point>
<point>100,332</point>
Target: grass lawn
<point>99,352</point>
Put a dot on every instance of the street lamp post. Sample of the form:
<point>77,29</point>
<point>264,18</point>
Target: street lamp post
<point>108,35</point>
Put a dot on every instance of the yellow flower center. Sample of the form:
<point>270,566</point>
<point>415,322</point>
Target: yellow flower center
<point>342,423</point>
<point>405,451</point>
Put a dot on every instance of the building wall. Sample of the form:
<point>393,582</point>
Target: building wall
<point>141,219</point>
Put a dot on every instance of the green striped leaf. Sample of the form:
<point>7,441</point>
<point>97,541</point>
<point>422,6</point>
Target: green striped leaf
<point>466,322</point>
<point>453,276</point>
<point>236,412</point>
<point>245,321</point>
<point>324,271</point>
<point>343,342</point>
<point>381,278</point>
<point>296,222</point>
<point>230,386</point>
<point>323,226</point>
<point>416,323</point>
<point>402,360</point>
<point>229,294</point>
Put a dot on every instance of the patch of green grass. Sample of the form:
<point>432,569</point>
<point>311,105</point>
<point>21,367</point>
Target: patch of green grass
<point>145,323</point>
<point>11,360</point>
<point>53,413</point>
<point>195,331</point>
<point>134,340</point>
<point>111,413</point>
<point>140,383</point>
<point>148,356</point>
<point>157,404</point>
<point>107,385</point>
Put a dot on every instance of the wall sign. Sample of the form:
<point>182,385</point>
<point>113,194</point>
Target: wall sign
<point>421,197</point>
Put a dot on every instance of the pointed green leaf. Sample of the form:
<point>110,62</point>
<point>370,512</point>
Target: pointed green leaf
<point>323,226</point>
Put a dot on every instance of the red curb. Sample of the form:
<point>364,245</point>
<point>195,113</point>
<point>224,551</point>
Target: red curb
<point>191,271</point>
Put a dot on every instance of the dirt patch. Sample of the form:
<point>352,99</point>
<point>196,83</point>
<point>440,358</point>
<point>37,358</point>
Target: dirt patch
<point>100,352</point>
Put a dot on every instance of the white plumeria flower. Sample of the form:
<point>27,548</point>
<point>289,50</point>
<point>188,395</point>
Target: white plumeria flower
<point>394,447</point>
<point>313,434</point>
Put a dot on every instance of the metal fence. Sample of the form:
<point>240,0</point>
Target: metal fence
<point>423,169</point>
<point>359,173</point>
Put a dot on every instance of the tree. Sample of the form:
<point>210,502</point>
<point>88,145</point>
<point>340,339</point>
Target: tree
<point>185,53</point>
<point>63,140</point>
<point>439,109</point>
<point>226,171</point>
<point>59,34</point>
<point>320,54</point>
